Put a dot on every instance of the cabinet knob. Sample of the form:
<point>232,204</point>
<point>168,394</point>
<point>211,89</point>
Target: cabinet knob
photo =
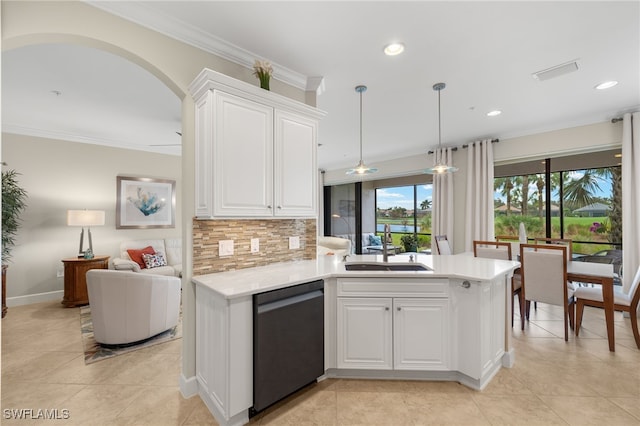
<point>399,308</point>
<point>268,207</point>
<point>466,284</point>
<point>386,308</point>
<point>279,207</point>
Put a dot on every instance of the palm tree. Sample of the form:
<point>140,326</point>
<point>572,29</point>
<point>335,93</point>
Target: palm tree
<point>505,185</point>
<point>425,204</point>
<point>615,216</point>
<point>579,192</point>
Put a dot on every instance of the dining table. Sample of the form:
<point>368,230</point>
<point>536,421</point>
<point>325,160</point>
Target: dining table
<point>597,273</point>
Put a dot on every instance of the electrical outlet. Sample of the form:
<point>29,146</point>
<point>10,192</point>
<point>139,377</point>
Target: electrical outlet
<point>255,245</point>
<point>294,243</point>
<point>225,248</point>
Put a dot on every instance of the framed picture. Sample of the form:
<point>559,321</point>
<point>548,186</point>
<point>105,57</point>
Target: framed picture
<point>145,203</point>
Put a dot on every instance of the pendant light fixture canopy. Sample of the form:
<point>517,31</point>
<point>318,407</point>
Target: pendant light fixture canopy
<point>440,166</point>
<point>361,168</point>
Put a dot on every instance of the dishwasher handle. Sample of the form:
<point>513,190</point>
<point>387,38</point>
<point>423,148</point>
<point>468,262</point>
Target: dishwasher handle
<point>282,303</point>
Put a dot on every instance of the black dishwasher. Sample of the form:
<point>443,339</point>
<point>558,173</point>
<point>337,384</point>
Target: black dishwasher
<point>288,342</point>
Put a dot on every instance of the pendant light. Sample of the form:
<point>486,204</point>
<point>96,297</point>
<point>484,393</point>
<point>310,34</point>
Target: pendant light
<point>440,167</point>
<point>361,169</point>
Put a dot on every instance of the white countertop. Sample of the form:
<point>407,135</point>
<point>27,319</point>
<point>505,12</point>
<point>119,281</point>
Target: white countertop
<point>250,281</point>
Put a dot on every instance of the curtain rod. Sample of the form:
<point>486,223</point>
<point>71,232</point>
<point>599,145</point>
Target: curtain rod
<point>455,148</point>
<point>615,120</point>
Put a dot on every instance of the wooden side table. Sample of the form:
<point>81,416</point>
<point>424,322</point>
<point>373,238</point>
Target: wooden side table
<point>75,280</point>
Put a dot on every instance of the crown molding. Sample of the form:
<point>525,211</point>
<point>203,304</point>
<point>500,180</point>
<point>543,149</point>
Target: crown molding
<point>73,137</point>
<point>144,14</point>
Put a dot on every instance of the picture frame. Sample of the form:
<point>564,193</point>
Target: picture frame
<point>145,203</point>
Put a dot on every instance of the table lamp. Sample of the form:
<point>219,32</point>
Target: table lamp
<point>84,218</point>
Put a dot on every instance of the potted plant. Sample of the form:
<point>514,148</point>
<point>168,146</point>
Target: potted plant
<point>410,242</point>
<point>13,203</point>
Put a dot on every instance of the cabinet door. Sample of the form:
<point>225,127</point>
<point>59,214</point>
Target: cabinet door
<point>421,334</point>
<point>364,333</point>
<point>295,165</point>
<point>243,157</point>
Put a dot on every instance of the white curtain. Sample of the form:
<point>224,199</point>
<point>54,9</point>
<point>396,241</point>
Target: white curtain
<point>630,197</point>
<point>479,205</point>
<point>442,200</point>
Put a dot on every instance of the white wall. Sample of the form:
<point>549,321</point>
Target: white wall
<point>59,176</point>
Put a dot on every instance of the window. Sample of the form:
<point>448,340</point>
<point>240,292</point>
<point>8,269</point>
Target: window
<point>585,203</point>
<point>407,209</point>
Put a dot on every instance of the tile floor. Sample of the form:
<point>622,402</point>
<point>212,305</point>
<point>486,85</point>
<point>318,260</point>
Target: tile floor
<point>553,382</point>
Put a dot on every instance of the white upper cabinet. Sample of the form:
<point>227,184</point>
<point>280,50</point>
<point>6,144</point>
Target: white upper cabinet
<point>242,157</point>
<point>255,151</point>
<point>295,160</point>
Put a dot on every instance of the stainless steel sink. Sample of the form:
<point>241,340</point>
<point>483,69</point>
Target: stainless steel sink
<point>370,266</point>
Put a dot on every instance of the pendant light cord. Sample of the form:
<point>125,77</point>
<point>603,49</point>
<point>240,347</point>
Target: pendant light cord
<point>439,123</point>
<point>361,90</point>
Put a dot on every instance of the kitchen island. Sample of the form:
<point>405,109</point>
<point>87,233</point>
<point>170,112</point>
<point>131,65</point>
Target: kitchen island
<point>448,322</point>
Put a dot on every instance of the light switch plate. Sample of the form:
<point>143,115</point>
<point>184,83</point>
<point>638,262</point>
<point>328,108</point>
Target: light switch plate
<point>225,248</point>
<point>255,245</point>
<point>294,243</point>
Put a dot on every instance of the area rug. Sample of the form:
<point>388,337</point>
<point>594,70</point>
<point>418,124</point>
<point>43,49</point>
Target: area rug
<point>94,352</point>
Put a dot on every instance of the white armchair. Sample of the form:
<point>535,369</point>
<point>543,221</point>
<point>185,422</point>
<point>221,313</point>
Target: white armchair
<point>127,307</point>
<point>333,245</point>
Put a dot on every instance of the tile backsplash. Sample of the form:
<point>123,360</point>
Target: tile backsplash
<point>273,235</point>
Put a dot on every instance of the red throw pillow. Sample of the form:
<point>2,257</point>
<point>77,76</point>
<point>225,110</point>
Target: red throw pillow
<point>136,255</point>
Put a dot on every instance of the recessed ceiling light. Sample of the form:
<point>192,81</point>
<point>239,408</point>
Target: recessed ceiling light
<point>606,85</point>
<point>494,113</point>
<point>393,49</point>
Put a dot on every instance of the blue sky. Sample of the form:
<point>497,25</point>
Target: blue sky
<point>401,196</point>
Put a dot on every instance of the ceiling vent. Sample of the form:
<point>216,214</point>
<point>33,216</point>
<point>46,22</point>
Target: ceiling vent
<point>556,71</point>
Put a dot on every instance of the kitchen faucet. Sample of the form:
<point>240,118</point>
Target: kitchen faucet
<point>386,237</point>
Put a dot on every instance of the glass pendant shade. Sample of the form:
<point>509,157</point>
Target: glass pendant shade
<point>361,168</point>
<point>440,167</point>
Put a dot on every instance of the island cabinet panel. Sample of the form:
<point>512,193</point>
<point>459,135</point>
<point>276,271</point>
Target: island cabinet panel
<point>421,334</point>
<point>364,333</point>
<point>224,357</point>
<point>478,313</point>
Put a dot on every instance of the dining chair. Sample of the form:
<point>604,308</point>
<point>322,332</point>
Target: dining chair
<point>625,302</point>
<point>544,279</point>
<point>556,241</point>
<point>511,238</point>
<point>502,251</point>
<point>442,244</point>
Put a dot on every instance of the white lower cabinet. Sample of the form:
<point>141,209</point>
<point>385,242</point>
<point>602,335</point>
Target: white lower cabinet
<point>364,333</point>
<point>392,333</point>
<point>420,334</point>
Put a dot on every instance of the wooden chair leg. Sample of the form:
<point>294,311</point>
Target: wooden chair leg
<point>579,312</point>
<point>572,314</point>
<point>633,314</point>
<point>522,307</point>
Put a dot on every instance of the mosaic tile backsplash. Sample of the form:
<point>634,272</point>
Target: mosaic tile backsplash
<point>274,242</point>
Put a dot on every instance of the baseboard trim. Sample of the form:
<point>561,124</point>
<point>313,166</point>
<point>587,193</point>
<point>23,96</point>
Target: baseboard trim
<point>188,386</point>
<point>30,299</point>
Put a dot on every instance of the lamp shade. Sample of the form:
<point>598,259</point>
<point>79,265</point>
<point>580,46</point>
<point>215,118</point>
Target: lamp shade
<point>85,217</point>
